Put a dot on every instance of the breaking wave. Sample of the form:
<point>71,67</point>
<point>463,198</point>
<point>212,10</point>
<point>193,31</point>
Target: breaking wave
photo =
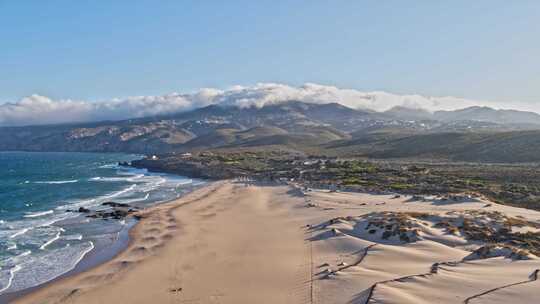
<point>57,182</point>
<point>43,241</point>
<point>38,214</point>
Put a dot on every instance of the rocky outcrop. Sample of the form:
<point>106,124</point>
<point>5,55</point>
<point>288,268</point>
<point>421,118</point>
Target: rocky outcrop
<point>117,211</point>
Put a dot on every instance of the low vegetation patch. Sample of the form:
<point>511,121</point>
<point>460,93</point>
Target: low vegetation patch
<point>506,184</point>
<point>497,232</point>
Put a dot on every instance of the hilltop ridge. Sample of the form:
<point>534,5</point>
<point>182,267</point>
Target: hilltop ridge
<point>472,134</point>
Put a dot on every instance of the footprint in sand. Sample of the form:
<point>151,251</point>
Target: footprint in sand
<point>122,265</point>
<point>149,240</point>
<point>157,246</point>
<point>139,252</point>
<point>155,223</point>
<point>152,231</point>
<point>171,227</point>
<point>205,216</point>
<point>167,236</point>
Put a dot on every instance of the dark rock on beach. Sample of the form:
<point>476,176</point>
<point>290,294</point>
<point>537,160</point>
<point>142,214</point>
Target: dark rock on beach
<point>83,210</point>
<point>113,204</point>
<point>115,214</point>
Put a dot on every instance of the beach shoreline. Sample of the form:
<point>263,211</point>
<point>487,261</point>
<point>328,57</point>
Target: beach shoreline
<point>97,256</point>
<point>94,258</point>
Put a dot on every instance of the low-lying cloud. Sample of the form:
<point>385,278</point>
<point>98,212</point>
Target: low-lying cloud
<point>36,109</point>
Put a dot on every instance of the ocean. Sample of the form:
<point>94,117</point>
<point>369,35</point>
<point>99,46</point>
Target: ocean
<point>39,239</point>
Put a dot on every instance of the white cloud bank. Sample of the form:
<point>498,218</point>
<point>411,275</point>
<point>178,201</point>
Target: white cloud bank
<point>36,109</point>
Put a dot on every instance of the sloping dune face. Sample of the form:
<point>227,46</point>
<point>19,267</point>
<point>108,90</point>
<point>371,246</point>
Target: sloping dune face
<point>390,249</point>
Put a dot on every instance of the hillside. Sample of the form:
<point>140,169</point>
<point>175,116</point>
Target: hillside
<point>331,129</point>
<point>496,147</point>
<point>203,128</point>
<point>472,114</point>
<point>489,115</point>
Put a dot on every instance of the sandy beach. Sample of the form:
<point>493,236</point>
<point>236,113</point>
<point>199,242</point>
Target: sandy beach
<point>241,242</point>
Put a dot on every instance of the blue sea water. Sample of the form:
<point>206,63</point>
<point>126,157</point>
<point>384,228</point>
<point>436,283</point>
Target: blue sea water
<point>39,239</point>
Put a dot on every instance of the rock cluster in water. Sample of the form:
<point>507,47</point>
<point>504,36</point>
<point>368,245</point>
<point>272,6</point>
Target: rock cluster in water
<point>117,211</point>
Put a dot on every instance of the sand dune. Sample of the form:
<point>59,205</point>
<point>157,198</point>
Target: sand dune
<point>236,242</point>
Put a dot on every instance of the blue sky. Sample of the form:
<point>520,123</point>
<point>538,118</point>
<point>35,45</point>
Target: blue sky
<point>96,50</point>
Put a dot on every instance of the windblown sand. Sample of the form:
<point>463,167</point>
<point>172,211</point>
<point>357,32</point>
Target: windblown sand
<point>237,242</point>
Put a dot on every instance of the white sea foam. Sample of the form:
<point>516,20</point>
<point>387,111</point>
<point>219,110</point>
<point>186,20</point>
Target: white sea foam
<point>135,177</point>
<point>131,171</point>
<point>57,182</point>
<point>154,184</point>
<point>59,217</point>
<point>12,272</point>
<point>186,182</point>
<point>73,237</point>
<point>135,200</point>
<point>109,166</point>
<point>56,237</point>
<point>123,191</point>
<point>37,214</point>
<point>27,252</point>
<point>40,265</point>
<point>20,232</point>
<point>85,252</point>
<point>97,200</point>
<point>108,179</point>
<point>12,246</point>
<point>28,271</point>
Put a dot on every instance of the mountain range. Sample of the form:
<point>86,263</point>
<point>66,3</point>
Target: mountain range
<point>470,134</point>
<point>476,113</point>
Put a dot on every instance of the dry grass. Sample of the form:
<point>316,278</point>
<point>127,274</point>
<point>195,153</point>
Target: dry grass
<point>489,227</point>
